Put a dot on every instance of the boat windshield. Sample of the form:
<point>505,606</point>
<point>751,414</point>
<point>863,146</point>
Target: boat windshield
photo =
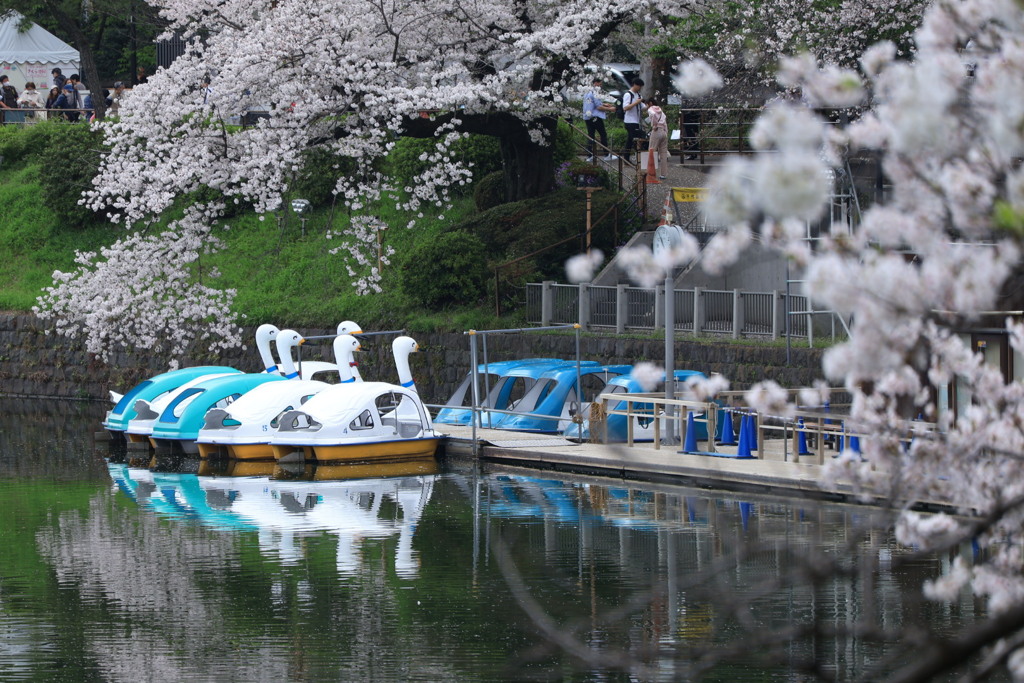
<point>534,396</point>
<point>463,396</point>
<point>508,391</point>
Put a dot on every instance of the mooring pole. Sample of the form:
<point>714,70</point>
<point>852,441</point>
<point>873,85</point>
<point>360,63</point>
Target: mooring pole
<point>475,387</point>
<point>669,438</point>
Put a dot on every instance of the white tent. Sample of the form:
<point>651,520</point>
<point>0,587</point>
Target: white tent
<point>31,55</point>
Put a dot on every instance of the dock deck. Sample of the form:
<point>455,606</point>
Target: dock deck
<point>775,471</point>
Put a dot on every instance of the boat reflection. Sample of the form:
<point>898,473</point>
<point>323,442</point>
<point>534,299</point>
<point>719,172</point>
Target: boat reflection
<point>352,503</point>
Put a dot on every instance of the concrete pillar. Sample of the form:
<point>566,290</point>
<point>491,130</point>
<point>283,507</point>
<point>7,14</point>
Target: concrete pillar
<point>698,310</point>
<point>777,313</point>
<point>659,307</point>
<point>546,302</point>
<point>737,313</point>
<point>621,309</point>
<point>584,306</point>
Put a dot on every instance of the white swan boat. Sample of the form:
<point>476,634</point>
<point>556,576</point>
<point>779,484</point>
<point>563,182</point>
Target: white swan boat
<point>242,430</point>
<point>361,421</point>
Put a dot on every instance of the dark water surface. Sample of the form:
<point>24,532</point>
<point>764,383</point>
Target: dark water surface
<point>116,572</point>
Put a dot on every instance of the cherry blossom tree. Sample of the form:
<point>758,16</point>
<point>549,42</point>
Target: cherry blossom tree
<point>931,260</point>
<point>752,35</point>
<point>342,77</point>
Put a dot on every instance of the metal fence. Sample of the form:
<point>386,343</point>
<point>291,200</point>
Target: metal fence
<point>697,311</point>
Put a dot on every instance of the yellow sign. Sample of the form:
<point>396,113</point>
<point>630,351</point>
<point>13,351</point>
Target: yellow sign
<point>689,194</point>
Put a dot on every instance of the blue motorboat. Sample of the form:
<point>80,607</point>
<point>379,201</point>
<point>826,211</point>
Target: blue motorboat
<point>643,419</point>
<point>555,397</point>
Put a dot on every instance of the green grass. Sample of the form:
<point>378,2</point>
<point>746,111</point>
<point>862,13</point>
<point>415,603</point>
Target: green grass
<point>282,275</point>
<point>34,244</point>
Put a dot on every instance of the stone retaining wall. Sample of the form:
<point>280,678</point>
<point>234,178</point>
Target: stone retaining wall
<point>34,363</point>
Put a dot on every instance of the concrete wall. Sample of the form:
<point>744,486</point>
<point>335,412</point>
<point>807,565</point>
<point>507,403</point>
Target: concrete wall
<point>34,363</point>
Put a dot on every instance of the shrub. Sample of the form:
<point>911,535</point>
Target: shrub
<point>448,270</point>
<point>406,160</point>
<point>318,176</point>
<point>489,191</point>
<point>569,173</point>
<point>69,157</point>
<point>565,148</point>
<point>13,144</point>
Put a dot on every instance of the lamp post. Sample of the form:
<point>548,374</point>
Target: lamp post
<point>301,207</point>
<point>666,239</point>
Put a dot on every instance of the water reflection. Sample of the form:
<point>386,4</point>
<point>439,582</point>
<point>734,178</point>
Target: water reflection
<point>351,510</point>
<point>117,572</point>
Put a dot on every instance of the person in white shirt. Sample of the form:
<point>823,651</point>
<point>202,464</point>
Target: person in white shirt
<point>31,99</point>
<point>633,107</point>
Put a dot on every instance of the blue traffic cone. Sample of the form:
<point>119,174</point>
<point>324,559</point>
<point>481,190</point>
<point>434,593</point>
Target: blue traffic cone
<point>752,427</point>
<point>801,438</point>
<point>728,433</point>
<point>855,444</point>
<point>743,449</point>
<point>690,442</point>
<point>720,414</point>
<point>745,514</point>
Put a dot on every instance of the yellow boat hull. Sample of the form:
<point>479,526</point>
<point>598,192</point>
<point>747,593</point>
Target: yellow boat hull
<point>357,470</point>
<point>361,452</point>
<point>236,451</point>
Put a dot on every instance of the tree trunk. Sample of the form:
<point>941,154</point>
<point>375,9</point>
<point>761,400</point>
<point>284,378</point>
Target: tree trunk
<point>529,167</point>
<point>90,75</point>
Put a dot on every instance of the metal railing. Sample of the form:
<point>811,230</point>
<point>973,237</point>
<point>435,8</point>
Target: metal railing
<point>697,311</point>
<point>23,117</point>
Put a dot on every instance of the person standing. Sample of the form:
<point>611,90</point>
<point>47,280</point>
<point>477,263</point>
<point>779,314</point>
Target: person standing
<point>8,97</point>
<point>114,99</point>
<point>595,110</point>
<point>659,135</point>
<point>58,79</point>
<point>10,94</point>
<point>71,102</point>
<point>632,106</point>
<point>30,99</point>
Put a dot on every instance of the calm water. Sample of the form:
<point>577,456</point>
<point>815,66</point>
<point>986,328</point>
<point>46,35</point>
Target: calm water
<point>114,572</point>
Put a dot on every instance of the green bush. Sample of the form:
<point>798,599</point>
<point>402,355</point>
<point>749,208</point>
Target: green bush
<point>489,191</point>
<point>448,270</point>
<point>318,176</point>
<point>482,153</point>
<point>565,148</point>
<point>13,144</point>
<point>568,172</point>
<point>69,158</point>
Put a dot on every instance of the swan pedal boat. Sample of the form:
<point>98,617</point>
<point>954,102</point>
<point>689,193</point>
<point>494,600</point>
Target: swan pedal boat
<point>357,422</point>
<point>241,431</point>
<point>178,425</point>
<point>124,411</point>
